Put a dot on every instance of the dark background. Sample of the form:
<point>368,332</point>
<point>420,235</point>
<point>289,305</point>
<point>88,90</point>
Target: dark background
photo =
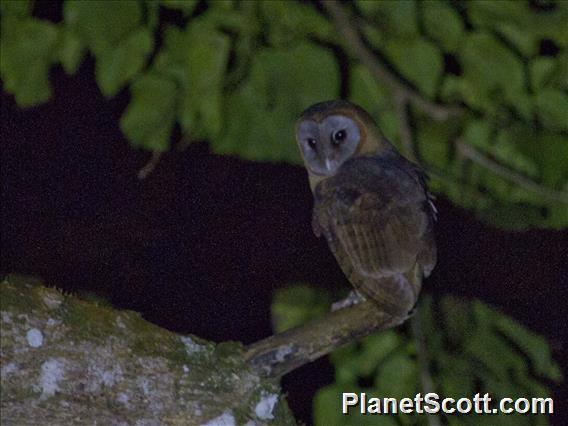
<point>202,243</point>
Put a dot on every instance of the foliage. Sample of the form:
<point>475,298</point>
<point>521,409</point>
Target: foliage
<point>238,73</point>
<point>297,305</point>
<point>470,348</point>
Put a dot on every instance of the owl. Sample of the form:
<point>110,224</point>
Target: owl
<point>370,203</point>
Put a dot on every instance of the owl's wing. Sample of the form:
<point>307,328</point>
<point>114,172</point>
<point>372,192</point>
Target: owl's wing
<point>377,221</point>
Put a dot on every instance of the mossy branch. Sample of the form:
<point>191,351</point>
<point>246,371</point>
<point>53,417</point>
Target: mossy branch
<point>66,361</point>
<point>284,352</point>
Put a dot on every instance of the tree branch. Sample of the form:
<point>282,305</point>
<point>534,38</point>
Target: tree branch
<point>149,167</point>
<point>284,352</point>
<point>472,154</point>
<point>67,361</point>
<point>379,71</point>
<point>405,129</point>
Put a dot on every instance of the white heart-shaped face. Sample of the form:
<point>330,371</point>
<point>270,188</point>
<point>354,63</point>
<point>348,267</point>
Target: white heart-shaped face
<point>327,145</point>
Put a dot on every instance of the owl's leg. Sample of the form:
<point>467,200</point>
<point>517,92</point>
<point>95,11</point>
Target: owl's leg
<point>412,312</point>
<point>353,298</point>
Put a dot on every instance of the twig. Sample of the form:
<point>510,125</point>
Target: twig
<point>472,154</point>
<point>405,129</point>
<point>448,180</point>
<point>284,352</point>
<point>149,167</point>
<point>379,71</point>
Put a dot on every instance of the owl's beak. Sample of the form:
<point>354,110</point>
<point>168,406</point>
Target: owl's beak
<point>328,164</point>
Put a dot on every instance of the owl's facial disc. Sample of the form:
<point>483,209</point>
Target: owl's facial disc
<point>328,144</point>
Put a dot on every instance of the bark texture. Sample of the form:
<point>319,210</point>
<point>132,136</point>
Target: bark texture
<point>67,361</point>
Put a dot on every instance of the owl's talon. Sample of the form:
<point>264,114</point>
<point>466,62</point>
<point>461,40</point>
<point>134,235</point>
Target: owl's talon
<point>352,299</point>
<point>413,311</point>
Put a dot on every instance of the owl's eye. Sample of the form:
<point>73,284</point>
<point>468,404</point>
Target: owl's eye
<point>311,142</point>
<point>339,136</point>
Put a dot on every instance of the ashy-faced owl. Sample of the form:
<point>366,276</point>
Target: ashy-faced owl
<point>370,203</point>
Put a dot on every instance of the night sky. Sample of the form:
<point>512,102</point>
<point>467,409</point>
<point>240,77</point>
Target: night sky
<point>201,244</point>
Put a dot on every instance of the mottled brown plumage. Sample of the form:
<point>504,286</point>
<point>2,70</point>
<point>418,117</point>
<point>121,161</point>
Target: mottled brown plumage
<point>371,205</point>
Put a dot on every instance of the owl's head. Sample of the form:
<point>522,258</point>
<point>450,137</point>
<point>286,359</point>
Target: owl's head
<point>329,133</point>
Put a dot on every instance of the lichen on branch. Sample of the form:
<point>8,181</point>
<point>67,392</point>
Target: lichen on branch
<point>69,361</point>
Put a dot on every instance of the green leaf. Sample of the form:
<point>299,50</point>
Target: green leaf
<point>490,14</point>
<point>560,78</point>
<point>328,405</point>
<point>506,151</point>
<point>197,60</point>
<point>553,159</point>
<point>116,66</point>
<point>429,321</point>
<point>530,385</point>
<point>500,14</point>
<point>552,107</point>
<point>547,149</point>
<point>456,378</point>
<point>397,376</point>
<point>434,140</point>
<point>327,397</point>
<point>522,103</point>
<point>375,99</point>
<point>288,22</point>
<point>243,20</point>
<point>171,57</point>
<point>513,20</point>
<point>346,366</point>
<point>71,50</point>
<point>396,18</point>
<point>151,14</point>
<point>541,71</point>
<point>374,35</point>
<point>458,320</point>
<point>418,60</point>
<point>26,53</point>
<point>224,4</point>
<point>470,348</point>
<point>186,6</point>
<point>478,134</point>
<point>102,24</point>
<point>558,215</point>
<point>374,349</point>
<point>361,359</point>
<point>20,8</point>
<point>149,117</point>
<point>297,305</point>
<point>282,83</point>
<point>205,62</point>
<point>443,24</point>
<point>490,71</point>
<point>451,90</point>
<point>485,345</point>
<point>524,41</point>
<point>534,346</point>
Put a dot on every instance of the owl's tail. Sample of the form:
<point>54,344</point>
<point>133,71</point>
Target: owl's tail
<point>396,294</point>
